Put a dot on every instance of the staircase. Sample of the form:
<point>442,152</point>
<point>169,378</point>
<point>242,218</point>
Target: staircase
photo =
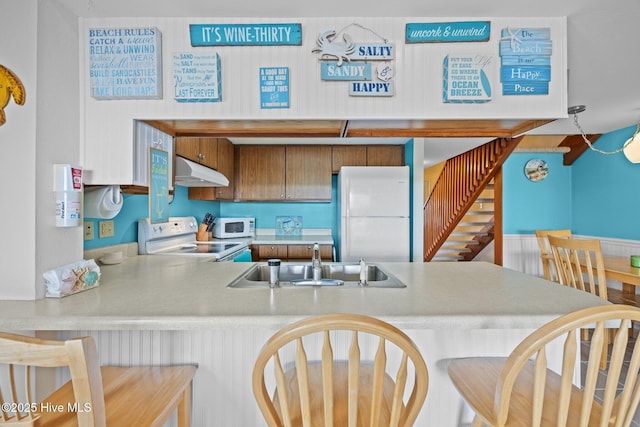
<point>462,215</point>
<point>473,233</point>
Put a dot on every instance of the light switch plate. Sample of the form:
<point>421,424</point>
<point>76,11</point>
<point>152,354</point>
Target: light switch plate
<point>107,229</point>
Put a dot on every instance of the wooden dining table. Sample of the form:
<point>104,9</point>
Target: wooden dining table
<point>619,268</point>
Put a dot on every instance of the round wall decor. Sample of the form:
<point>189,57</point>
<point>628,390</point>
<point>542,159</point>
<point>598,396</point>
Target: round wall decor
<point>536,170</point>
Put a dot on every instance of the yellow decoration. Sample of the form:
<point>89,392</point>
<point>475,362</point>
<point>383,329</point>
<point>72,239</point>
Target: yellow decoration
<point>10,84</point>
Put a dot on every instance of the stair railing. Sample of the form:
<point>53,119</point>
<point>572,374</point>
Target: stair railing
<point>462,180</point>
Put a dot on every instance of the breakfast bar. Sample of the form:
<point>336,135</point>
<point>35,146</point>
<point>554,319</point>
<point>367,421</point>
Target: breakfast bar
<point>170,310</point>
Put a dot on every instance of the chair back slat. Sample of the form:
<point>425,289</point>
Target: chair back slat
<point>398,392</point>
<point>327,379</point>
<point>303,383</point>
<point>630,396</point>
<point>282,390</point>
<point>570,350</point>
<point>539,380</point>
<point>619,349</point>
<point>354,379</point>
<point>352,385</point>
<point>379,365</point>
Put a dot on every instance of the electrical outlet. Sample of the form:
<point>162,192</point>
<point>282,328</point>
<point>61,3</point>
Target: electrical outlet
<point>107,229</point>
<point>88,230</point>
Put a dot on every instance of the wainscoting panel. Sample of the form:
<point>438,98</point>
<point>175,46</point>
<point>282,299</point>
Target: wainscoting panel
<point>222,392</point>
<point>521,253</point>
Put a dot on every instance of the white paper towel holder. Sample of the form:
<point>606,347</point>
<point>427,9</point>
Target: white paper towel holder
<point>102,201</point>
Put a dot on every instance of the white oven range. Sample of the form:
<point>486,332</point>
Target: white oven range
<point>177,237</point>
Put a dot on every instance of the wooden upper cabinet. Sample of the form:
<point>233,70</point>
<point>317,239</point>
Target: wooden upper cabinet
<point>192,149</point>
<point>203,150</point>
<point>279,172</point>
<point>366,155</point>
<point>385,155</point>
<point>308,172</point>
<point>348,155</point>
<point>226,166</point>
<point>261,172</point>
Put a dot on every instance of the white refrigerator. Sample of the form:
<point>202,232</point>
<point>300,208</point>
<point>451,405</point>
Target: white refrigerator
<point>373,205</point>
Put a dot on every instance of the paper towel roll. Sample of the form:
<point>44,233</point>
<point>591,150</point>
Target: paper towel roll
<point>102,202</point>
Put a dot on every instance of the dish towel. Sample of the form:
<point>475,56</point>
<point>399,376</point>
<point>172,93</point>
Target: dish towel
<point>71,278</point>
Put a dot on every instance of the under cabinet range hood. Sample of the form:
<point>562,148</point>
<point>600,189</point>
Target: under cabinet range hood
<point>191,174</point>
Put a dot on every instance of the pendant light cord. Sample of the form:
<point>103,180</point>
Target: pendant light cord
<point>586,140</point>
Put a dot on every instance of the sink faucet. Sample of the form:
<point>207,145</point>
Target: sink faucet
<point>316,262</point>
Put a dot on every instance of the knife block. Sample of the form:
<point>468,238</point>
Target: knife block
<point>202,235</point>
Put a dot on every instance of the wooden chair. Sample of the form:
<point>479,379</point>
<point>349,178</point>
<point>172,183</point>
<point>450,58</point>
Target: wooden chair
<point>95,396</point>
<point>328,392</point>
<point>548,268</point>
<point>521,391</point>
<point>575,261</point>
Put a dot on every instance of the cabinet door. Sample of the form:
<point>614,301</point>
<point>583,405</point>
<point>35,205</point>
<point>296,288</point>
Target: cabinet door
<point>188,147</point>
<point>272,251</point>
<point>348,155</point>
<point>304,252</point>
<point>200,150</point>
<point>226,166</point>
<point>209,152</point>
<point>261,172</point>
<point>385,155</point>
<point>308,172</point>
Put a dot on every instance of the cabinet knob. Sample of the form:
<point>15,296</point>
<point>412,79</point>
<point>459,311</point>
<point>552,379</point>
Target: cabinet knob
<point>201,156</point>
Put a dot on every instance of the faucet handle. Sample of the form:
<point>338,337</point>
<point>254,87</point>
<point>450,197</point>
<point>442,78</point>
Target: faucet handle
<point>315,255</point>
<point>363,273</point>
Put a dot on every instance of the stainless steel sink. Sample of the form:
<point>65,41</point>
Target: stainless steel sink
<point>333,274</point>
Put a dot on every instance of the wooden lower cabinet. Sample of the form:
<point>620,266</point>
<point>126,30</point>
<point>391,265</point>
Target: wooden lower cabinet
<point>288,253</point>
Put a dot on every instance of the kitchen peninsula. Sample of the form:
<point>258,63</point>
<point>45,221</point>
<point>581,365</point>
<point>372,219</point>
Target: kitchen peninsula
<point>168,310</point>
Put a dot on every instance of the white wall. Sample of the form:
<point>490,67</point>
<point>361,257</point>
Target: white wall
<point>57,140</point>
<point>418,80</point>
<point>18,47</point>
<point>38,42</point>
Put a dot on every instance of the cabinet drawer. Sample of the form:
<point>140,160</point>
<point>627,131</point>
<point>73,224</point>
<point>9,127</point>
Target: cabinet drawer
<point>272,251</point>
<point>305,252</point>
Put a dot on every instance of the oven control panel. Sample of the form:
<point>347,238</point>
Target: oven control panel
<point>175,227</point>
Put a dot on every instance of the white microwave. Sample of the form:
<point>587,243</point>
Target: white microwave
<point>228,228</point>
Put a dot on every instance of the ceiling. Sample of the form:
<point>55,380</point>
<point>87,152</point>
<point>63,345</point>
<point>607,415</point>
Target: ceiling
<point>603,58</point>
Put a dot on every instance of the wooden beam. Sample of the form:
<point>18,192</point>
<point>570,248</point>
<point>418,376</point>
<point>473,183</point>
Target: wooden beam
<point>347,128</point>
<point>577,146</point>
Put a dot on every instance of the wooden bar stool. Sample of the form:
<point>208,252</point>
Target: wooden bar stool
<point>328,391</point>
<point>95,396</point>
<point>520,390</point>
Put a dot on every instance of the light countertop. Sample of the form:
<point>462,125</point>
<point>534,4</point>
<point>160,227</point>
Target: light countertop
<point>180,293</point>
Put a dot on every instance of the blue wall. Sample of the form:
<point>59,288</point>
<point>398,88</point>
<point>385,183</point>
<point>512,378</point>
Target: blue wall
<point>606,199</point>
<point>137,206</point>
<point>596,196</point>
<point>529,205</point>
